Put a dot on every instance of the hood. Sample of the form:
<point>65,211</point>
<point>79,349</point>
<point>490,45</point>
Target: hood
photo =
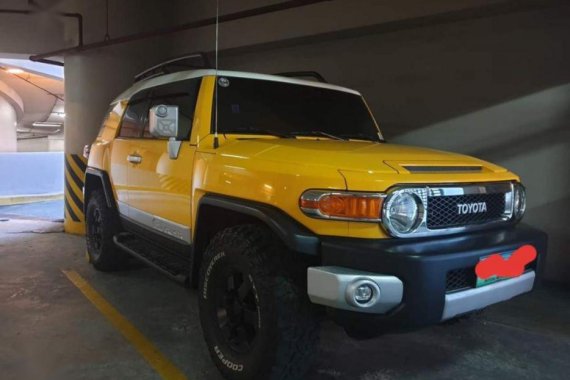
<point>356,156</point>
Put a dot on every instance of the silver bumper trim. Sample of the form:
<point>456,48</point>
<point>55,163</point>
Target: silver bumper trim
<point>329,286</point>
<point>474,299</point>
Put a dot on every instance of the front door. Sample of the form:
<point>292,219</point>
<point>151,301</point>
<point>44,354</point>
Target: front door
<point>124,146</point>
<point>159,187</point>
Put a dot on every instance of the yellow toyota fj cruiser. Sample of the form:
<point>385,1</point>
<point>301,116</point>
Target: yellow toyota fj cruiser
<point>279,199</point>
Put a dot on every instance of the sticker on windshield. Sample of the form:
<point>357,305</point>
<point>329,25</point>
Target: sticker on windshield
<point>224,82</point>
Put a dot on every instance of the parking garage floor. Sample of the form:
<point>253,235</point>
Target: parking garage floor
<point>49,329</point>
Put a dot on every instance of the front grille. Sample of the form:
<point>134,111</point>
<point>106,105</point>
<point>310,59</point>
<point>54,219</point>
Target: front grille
<point>443,211</point>
<point>465,278</point>
<point>458,279</point>
<point>456,208</point>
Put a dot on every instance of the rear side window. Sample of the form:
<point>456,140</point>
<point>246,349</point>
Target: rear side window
<point>182,94</point>
<point>135,114</point>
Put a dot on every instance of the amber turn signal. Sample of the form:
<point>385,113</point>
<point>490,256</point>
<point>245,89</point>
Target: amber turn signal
<point>342,205</point>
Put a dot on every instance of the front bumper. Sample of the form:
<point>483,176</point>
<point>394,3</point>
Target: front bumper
<point>421,267</point>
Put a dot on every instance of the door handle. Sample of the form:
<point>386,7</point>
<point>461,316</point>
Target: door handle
<point>134,158</point>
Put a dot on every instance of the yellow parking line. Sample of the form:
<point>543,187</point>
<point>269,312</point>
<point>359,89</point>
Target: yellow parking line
<point>149,352</point>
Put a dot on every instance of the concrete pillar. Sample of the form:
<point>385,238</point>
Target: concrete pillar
<point>75,137</point>
<point>90,84</point>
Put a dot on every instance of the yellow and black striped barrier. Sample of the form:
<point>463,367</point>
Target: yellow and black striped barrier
<point>74,221</point>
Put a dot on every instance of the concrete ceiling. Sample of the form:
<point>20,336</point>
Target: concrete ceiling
<point>33,89</point>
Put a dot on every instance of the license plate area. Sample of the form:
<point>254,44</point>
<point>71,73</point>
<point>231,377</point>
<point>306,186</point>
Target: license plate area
<point>491,280</point>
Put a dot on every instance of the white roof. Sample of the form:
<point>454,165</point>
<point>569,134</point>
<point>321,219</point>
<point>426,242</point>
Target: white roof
<point>182,75</point>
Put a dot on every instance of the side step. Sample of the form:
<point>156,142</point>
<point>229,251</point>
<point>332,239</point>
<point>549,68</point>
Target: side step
<point>169,264</point>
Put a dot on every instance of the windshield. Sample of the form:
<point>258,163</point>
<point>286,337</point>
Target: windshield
<point>252,106</point>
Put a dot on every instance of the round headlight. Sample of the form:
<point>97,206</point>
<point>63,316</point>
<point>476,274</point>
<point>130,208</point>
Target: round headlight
<point>519,201</point>
<point>402,213</point>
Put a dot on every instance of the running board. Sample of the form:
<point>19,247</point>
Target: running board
<point>173,266</point>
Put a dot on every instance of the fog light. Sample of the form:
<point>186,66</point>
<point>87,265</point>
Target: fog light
<point>363,293</point>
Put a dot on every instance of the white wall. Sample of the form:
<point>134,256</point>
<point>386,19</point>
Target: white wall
<point>8,123</point>
<point>52,143</point>
<point>11,113</point>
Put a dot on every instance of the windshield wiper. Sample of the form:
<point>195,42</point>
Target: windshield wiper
<point>260,131</point>
<point>316,133</point>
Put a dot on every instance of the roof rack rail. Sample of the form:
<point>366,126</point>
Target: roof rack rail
<point>303,74</point>
<point>177,64</point>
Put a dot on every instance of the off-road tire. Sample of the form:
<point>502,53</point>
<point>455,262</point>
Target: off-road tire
<point>287,324</point>
<point>101,224</point>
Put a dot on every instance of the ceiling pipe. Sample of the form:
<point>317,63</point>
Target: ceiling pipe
<point>175,29</point>
<point>77,16</point>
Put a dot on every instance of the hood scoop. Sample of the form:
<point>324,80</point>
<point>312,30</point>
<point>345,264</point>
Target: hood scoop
<point>443,168</point>
<point>460,165</point>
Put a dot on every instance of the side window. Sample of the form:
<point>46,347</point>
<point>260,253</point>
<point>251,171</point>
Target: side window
<point>133,120</point>
<point>182,94</point>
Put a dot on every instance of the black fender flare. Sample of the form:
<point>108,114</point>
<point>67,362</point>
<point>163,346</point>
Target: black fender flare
<point>102,176</point>
<point>293,234</point>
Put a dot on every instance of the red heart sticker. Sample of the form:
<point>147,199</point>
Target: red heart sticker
<point>496,265</point>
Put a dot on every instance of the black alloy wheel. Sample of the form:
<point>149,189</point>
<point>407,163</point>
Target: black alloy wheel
<point>238,311</point>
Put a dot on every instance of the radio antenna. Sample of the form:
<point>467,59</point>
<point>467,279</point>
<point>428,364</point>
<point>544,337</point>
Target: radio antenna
<point>216,140</point>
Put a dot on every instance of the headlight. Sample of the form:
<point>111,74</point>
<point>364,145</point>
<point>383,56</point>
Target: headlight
<point>402,213</point>
<point>342,205</point>
<point>519,201</point>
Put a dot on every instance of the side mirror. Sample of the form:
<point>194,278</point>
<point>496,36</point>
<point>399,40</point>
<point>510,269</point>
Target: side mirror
<point>163,121</point>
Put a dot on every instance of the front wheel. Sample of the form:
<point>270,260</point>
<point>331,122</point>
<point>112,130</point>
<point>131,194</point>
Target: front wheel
<point>255,314</point>
<point>101,224</point>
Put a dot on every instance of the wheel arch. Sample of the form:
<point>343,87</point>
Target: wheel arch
<point>217,212</point>
<point>96,179</point>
